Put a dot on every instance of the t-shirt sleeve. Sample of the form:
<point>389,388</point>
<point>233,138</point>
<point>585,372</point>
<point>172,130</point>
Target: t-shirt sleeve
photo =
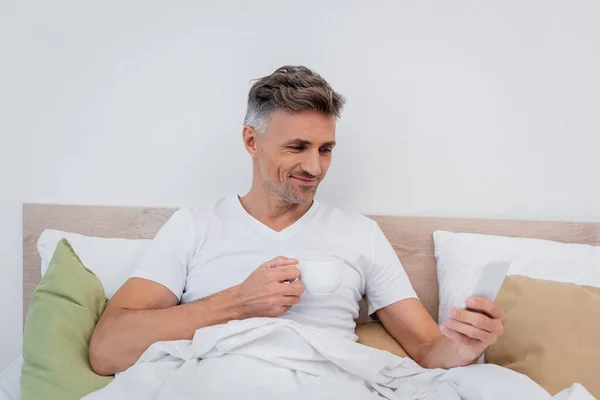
<point>166,260</point>
<point>386,281</point>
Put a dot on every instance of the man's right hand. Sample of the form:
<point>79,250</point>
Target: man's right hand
<point>269,291</point>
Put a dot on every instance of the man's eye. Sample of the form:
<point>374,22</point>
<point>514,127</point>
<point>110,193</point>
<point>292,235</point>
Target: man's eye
<point>326,151</point>
<point>296,148</point>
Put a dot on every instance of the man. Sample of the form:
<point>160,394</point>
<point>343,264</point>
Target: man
<point>232,259</point>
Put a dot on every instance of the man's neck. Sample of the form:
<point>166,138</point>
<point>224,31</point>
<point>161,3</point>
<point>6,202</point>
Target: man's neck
<point>272,211</point>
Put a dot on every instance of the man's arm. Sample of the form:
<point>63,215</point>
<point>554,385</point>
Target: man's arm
<point>461,340</point>
<point>143,312</point>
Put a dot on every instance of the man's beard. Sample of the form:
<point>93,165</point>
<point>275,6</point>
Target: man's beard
<point>292,195</point>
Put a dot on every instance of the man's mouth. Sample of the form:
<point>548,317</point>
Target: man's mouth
<point>306,181</point>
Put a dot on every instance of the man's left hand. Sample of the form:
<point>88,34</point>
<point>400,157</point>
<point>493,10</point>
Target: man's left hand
<point>475,328</point>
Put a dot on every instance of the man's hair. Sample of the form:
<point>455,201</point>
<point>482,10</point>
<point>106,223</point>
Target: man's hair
<point>293,89</point>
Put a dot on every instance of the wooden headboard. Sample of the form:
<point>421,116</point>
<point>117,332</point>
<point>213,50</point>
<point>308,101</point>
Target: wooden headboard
<point>411,237</point>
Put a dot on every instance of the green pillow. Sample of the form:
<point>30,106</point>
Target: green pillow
<point>62,316</point>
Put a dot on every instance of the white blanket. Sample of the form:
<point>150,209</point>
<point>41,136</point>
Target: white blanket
<point>267,358</point>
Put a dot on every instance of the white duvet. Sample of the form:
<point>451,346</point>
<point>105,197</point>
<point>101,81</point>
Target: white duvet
<point>269,358</point>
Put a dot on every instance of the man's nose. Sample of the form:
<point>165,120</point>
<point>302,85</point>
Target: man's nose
<point>312,163</point>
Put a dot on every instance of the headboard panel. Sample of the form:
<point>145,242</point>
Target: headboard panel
<point>411,237</point>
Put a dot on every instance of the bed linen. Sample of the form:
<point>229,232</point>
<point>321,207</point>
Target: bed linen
<point>266,358</point>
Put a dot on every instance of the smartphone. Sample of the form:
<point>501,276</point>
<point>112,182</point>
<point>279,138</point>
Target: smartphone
<point>490,280</point>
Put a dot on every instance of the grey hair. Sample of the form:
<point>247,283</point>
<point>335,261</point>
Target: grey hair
<point>293,89</point>
<point>257,115</point>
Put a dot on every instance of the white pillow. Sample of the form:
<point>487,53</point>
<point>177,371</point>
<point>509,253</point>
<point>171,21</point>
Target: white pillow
<point>112,260</point>
<point>460,257</point>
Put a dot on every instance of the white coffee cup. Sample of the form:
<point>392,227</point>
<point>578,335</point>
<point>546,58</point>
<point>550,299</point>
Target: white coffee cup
<point>320,275</point>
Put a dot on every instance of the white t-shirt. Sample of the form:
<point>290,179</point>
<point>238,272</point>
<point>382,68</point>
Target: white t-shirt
<point>202,251</point>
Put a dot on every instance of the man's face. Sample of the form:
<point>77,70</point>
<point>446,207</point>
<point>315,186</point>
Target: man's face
<point>294,153</point>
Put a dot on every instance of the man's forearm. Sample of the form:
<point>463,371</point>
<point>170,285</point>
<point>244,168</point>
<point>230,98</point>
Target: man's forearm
<point>444,353</point>
<point>122,337</point>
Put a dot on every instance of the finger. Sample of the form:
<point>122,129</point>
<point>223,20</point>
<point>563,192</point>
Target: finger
<point>285,309</point>
<point>487,306</point>
<point>477,320</point>
<point>457,336</point>
<point>293,289</point>
<point>285,273</point>
<point>280,261</point>
<point>289,301</point>
<point>470,331</point>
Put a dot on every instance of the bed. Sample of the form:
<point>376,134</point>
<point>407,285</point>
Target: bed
<point>411,237</point>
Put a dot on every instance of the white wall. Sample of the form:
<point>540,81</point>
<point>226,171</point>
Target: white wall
<point>461,108</point>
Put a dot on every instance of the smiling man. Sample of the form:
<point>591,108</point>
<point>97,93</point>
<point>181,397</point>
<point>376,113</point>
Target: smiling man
<point>234,258</point>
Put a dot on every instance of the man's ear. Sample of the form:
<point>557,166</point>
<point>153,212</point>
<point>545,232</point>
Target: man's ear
<point>250,136</point>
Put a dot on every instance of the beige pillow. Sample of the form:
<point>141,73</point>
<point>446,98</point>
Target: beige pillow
<point>373,334</point>
<point>551,333</point>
